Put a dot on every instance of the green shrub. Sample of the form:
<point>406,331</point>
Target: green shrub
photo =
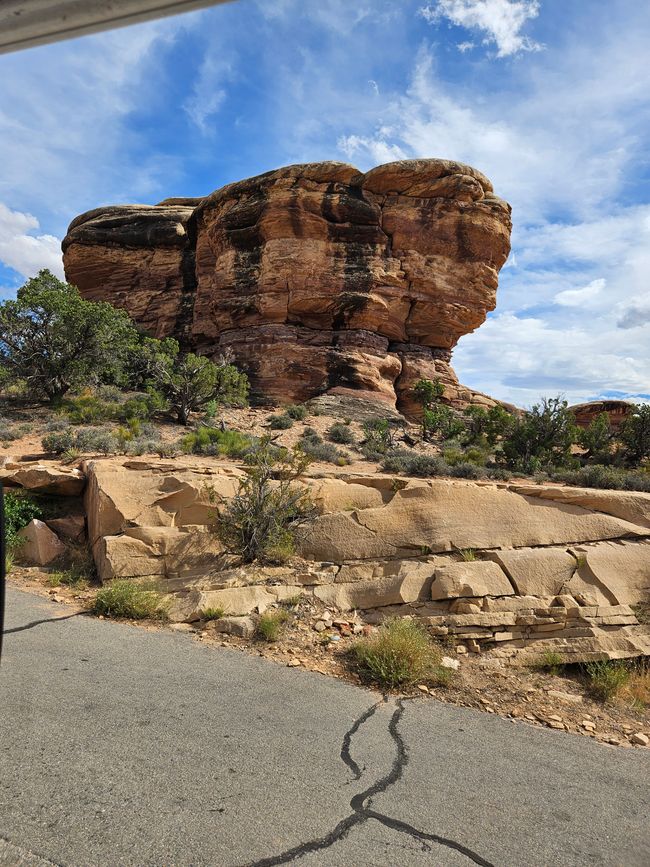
<point>125,598</point>
<point>215,613</point>
<point>258,523</point>
<point>58,442</point>
<point>271,624</point>
<point>399,654</point>
<point>75,578</point>
<point>465,470</point>
<point>542,438</point>
<point>379,436</point>
<point>550,662</point>
<point>341,434</point>
<point>280,422</point>
<point>635,434</point>
<point>410,463</point>
<point>320,451</point>
<point>20,509</point>
<point>599,476</point>
<point>298,412</point>
<point>606,677</point>
<point>87,408</point>
<point>214,441</point>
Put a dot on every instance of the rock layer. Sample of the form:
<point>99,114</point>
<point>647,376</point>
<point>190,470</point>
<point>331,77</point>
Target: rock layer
<point>556,573</point>
<point>315,277</point>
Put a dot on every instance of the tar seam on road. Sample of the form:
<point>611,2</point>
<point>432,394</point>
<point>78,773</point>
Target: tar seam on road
<point>38,622</point>
<point>363,813</point>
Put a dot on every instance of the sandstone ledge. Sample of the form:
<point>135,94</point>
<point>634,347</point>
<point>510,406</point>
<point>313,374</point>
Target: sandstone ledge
<point>545,573</point>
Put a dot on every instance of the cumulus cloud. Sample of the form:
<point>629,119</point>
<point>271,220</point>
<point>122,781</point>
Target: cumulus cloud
<point>501,21</point>
<point>581,297</point>
<point>22,249</point>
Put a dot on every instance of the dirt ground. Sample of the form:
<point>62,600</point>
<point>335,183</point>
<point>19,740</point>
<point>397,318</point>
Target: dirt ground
<point>490,685</point>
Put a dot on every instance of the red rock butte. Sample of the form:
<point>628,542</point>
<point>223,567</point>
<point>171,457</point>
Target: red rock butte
<point>316,278</point>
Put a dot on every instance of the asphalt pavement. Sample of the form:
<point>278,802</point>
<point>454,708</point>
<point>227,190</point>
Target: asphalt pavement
<point>121,746</point>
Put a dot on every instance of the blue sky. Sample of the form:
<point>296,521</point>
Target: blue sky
<point>550,99</point>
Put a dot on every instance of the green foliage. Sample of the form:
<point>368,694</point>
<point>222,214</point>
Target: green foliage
<point>20,509</point>
<point>259,522</point>
<point>441,420</point>
<point>486,427</point>
<point>280,422</point>
<point>88,408</point>
<point>550,662</point>
<point>124,598</point>
<point>53,340</point>
<point>298,412</point>
<point>379,437</point>
<point>187,382</point>
<point>427,392</point>
<point>341,434</point>
<point>217,442</point>
<point>215,613</point>
<point>598,476</point>
<point>315,449</point>
<point>410,463</point>
<point>399,654</point>
<point>271,624</point>
<point>75,577</point>
<point>541,438</point>
<point>606,677</point>
<point>635,434</point>
<point>596,439</point>
<point>467,554</point>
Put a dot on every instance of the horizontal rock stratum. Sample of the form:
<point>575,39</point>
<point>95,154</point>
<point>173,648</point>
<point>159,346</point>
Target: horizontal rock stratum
<point>316,277</point>
<point>551,568</point>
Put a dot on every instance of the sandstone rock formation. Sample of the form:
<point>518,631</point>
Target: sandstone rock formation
<point>316,277</point>
<point>552,567</point>
<point>617,410</point>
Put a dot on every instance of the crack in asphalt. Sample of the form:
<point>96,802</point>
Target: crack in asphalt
<point>362,811</point>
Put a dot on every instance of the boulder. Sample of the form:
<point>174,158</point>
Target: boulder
<point>336,495</point>
<point>536,571</point>
<point>619,571</point>
<point>314,277</point>
<point>242,627</point>
<point>39,545</point>
<point>233,600</point>
<point>72,527</point>
<point>472,578</point>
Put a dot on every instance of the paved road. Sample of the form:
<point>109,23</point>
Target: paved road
<point>125,747</point>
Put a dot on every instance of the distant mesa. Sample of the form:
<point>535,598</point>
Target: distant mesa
<point>317,278</point>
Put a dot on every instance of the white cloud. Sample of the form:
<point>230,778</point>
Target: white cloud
<point>24,251</point>
<point>465,46</point>
<point>581,297</point>
<point>500,20</point>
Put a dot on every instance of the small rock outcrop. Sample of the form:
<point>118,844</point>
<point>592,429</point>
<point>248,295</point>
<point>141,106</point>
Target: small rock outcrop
<point>316,278</point>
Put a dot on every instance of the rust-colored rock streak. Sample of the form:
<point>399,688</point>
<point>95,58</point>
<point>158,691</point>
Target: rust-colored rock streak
<point>316,277</point>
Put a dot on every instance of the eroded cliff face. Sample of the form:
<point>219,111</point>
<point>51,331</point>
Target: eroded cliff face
<point>317,278</point>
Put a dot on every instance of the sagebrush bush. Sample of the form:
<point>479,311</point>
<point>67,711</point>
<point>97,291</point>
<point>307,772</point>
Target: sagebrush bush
<point>298,412</point>
<point>399,654</point>
<point>341,434</point>
<point>280,422</point>
<point>312,444</point>
<point>410,463</point>
<point>600,476</point>
<point>125,598</point>
<point>214,441</point>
